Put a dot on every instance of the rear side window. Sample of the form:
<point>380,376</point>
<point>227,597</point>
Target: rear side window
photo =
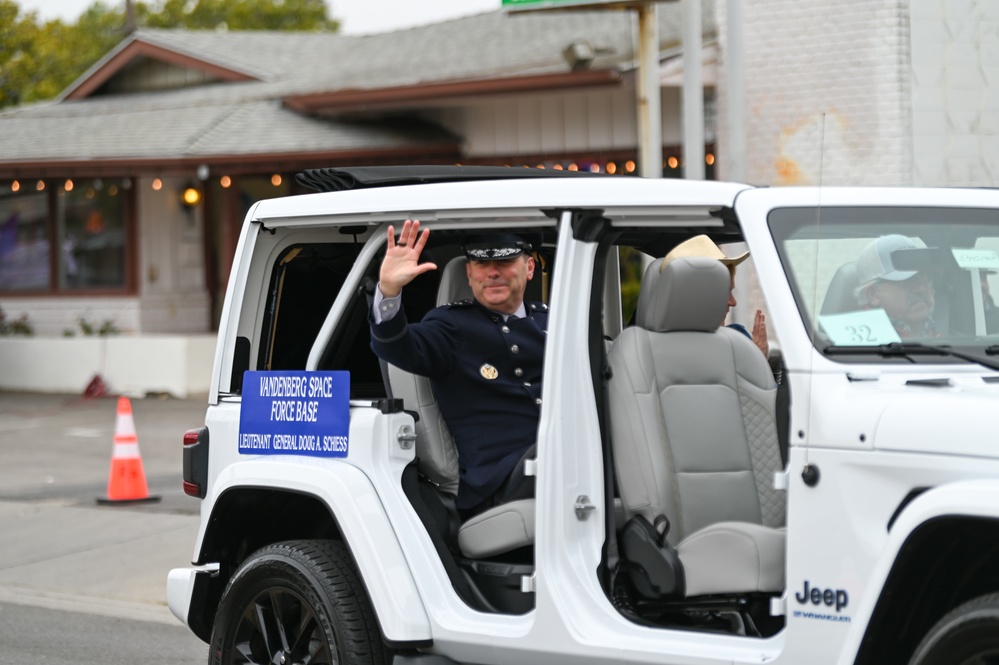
<point>304,282</point>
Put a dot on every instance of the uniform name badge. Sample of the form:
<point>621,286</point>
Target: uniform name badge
<point>488,372</point>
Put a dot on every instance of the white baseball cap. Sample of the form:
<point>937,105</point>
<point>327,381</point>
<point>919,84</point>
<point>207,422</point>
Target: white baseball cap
<point>875,262</point>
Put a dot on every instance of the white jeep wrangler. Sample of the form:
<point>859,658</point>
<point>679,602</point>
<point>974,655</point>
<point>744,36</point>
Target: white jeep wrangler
<point>694,504</point>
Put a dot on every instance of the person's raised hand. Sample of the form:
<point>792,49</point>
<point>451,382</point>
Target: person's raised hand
<point>401,264</point>
<point>760,333</point>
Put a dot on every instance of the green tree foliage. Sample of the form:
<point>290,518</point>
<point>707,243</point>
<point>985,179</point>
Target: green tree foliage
<point>303,15</point>
<point>40,59</point>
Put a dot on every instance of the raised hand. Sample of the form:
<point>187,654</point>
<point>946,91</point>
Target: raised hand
<point>401,264</point>
<point>760,333</point>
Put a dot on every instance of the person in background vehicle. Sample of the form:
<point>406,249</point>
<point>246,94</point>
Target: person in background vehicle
<point>991,311</point>
<point>483,358</point>
<point>906,296</point>
<point>703,246</point>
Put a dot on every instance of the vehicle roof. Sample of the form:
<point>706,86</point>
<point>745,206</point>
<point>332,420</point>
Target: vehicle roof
<point>613,192</point>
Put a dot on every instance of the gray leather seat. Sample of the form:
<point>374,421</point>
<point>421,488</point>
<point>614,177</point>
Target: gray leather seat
<point>500,529</point>
<point>841,296</point>
<point>694,432</point>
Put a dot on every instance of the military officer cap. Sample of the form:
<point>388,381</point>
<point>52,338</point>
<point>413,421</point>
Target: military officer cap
<point>496,247</point>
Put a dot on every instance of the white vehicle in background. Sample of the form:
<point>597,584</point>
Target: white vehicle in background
<point>690,508</point>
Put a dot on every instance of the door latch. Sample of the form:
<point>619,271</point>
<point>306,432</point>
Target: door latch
<point>583,507</point>
<point>406,437</point>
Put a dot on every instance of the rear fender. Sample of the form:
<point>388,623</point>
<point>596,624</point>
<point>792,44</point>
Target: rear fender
<point>357,512</point>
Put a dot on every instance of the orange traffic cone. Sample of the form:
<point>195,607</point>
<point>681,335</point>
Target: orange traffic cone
<point>127,480</point>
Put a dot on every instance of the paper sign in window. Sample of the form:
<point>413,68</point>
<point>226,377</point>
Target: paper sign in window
<point>868,327</point>
<point>984,259</point>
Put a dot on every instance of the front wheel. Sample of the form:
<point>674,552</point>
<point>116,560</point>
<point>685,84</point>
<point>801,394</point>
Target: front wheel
<point>969,635</point>
<point>297,603</point>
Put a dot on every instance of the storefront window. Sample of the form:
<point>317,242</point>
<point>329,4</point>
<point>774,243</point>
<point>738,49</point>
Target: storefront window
<point>24,241</point>
<point>72,229</point>
<point>90,232</point>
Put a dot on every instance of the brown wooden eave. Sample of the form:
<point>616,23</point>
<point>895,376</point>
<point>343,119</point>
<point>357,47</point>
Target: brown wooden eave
<point>350,99</point>
<point>229,164</point>
<point>139,49</point>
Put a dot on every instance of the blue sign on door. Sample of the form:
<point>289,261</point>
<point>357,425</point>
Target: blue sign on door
<point>295,413</point>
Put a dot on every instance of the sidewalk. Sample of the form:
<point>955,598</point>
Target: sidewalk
<point>60,549</point>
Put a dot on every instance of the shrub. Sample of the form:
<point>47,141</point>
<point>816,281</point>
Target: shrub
<point>90,329</point>
<point>18,326</point>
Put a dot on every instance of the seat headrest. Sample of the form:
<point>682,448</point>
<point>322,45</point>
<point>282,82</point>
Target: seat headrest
<point>454,282</point>
<point>841,296</point>
<point>690,294</point>
<point>644,304</point>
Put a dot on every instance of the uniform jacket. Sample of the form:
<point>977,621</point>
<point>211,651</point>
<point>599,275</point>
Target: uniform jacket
<point>486,375</point>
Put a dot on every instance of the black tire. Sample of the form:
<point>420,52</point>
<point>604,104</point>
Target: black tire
<point>297,602</point>
<point>968,635</point>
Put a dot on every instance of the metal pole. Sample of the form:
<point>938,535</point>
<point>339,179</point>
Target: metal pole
<point>650,129</point>
<point>735,72</point>
<point>693,92</point>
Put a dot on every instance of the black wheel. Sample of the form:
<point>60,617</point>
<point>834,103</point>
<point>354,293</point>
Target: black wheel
<point>969,635</point>
<point>297,603</point>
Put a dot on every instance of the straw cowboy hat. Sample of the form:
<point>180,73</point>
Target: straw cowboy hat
<point>702,246</point>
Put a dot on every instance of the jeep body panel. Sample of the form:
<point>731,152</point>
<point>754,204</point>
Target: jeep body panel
<point>968,498</point>
<point>353,503</point>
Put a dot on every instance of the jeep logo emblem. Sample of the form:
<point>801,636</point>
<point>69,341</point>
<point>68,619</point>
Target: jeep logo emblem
<point>818,596</point>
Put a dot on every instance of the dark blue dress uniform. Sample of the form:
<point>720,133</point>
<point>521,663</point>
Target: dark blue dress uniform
<point>486,375</point>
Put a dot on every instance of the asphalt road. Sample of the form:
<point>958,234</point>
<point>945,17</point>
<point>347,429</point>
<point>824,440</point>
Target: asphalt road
<point>82,582</point>
<point>41,636</point>
<point>59,446</point>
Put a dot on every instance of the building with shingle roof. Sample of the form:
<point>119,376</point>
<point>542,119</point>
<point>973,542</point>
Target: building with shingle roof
<point>233,115</point>
<point>92,223</point>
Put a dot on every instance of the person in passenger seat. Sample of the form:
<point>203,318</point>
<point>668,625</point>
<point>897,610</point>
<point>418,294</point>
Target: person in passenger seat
<point>907,296</point>
<point>483,358</point>
<point>703,246</point>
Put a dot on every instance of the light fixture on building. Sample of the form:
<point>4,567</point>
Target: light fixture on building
<point>629,166</point>
<point>276,180</point>
<point>15,186</point>
<point>611,168</point>
<point>157,184</point>
<point>673,162</point>
<point>225,181</point>
<point>709,159</point>
<point>190,196</point>
<point>68,185</point>
<point>40,185</point>
<point>579,55</point>
<point>594,168</point>
<point>203,172</point>
<point>573,167</point>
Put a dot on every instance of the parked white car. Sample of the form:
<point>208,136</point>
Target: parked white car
<point>695,503</point>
